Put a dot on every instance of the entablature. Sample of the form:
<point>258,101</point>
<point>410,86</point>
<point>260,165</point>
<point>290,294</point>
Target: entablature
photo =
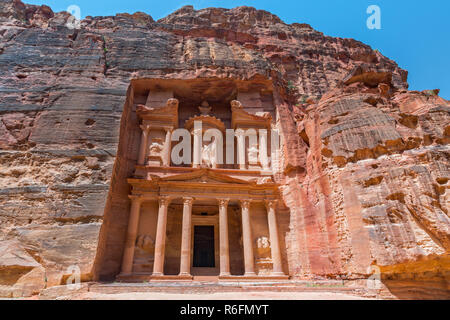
<point>204,183</point>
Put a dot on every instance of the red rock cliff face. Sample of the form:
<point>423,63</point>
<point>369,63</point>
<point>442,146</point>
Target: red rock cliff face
<point>365,161</point>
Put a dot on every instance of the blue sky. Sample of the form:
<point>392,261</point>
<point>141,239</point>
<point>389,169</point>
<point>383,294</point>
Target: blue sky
<point>414,33</point>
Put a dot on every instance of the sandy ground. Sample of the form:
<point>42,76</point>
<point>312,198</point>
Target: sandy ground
<point>221,296</point>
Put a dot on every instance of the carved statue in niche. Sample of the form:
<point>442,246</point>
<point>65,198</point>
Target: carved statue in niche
<point>205,108</point>
<point>145,243</point>
<point>156,147</point>
<point>264,260</point>
<point>209,155</point>
<point>263,247</point>
<point>144,253</point>
<point>253,154</point>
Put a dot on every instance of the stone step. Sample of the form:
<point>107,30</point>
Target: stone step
<point>210,279</point>
<point>196,287</point>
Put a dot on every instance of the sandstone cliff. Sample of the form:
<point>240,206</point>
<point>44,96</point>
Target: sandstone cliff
<point>366,161</point>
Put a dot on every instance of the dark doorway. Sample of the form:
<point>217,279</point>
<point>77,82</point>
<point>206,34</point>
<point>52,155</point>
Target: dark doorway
<point>204,247</point>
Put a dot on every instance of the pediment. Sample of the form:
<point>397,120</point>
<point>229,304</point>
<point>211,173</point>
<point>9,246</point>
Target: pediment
<point>164,114</point>
<point>205,176</point>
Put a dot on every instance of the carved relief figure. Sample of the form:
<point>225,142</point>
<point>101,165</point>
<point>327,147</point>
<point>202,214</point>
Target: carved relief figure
<point>263,254</point>
<point>144,253</point>
<point>209,155</point>
<point>145,243</point>
<point>205,109</point>
<point>263,247</point>
<point>253,154</point>
<point>156,147</point>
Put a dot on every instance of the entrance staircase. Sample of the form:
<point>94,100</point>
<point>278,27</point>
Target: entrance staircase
<point>211,284</point>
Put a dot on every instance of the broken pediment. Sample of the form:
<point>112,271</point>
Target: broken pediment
<point>167,115</point>
<point>244,119</point>
<point>157,99</point>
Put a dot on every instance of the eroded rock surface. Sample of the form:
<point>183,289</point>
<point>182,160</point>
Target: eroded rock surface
<point>375,178</point>
<point>366,161</point>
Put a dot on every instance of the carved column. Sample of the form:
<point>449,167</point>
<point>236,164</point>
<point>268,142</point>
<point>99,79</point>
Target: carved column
<point>133,223</point>
<point>247,239</point>
<point>198,145</point>
<point>144,142</point>
<point>160,243</point>
<point>167,147</point>
<point>274,240</point>
<point>241,148</point>
<point>185,261</point>
<point>223,237</point>
<point>263,149</point>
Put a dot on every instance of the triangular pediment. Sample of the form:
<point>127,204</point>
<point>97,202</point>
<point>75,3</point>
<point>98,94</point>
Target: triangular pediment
<point>205,176</point>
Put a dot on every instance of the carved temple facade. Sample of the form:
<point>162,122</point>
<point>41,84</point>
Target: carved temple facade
<point>206,217</point>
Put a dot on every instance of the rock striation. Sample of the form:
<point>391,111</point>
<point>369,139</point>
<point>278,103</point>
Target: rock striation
<point>366,162</point>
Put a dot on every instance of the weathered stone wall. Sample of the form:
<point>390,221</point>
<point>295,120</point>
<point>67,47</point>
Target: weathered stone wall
<point>365,171</point>
<point>374,180</point>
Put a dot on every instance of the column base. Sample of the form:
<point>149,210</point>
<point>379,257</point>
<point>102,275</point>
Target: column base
<point>123,275</point>
<point>250,274</point>
<point>157,274</point>
<point>131,277</point>
<point>224,274</point>
<point>185,274</point>
<point>143,277</point>
<point>171,278</point>
<point>254,277</point>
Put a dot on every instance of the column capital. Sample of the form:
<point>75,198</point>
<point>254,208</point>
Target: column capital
<point>188,201</point>
<point>246,204</point>
<point>271,204</point>
<point>168,129</point>
<point>164,200</point>
<point>136,198</point>
<point>239,132</point>
<point>172,102</point>
<point>145,128</point>
<point>223,202</point>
